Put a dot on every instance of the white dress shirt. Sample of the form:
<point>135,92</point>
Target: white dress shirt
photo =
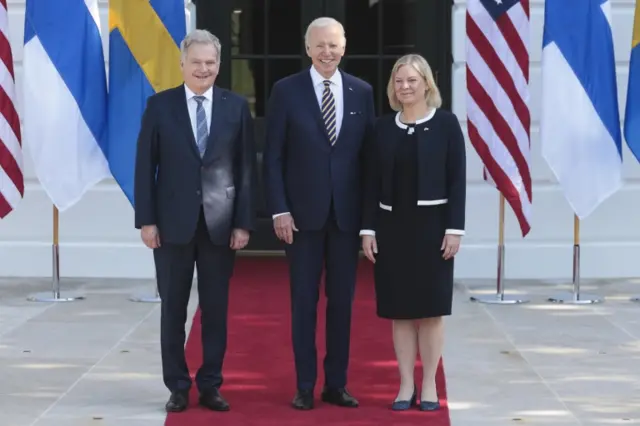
<point>192,106</point>
<point>336,89</point>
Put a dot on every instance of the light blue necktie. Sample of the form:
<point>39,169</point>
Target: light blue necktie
<point>202,132</point>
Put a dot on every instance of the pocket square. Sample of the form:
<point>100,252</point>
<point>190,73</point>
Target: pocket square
<point>355,113</point>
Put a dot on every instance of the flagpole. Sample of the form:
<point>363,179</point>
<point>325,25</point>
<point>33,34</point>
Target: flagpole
<point>500,298</point>
<point>54,296</point>
<point>576,297</point>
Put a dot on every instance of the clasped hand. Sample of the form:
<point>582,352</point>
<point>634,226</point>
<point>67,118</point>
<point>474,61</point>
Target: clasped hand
<point>284,226</point>
<point>370,247</point>
<point>150,236</point>
<point>239,239</point>
<point>450,246</point>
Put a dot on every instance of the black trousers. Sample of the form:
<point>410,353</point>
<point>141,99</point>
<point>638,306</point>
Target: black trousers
<point>337,252</point>
<point>174,271</point>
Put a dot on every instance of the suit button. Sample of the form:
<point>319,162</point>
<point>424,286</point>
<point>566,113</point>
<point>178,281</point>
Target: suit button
<point>198,192</point>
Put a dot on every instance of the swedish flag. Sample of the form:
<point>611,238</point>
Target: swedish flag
<point>632,110</point>
<point>144,58</point>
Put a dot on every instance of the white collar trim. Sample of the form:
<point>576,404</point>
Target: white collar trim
<point>420,121</point>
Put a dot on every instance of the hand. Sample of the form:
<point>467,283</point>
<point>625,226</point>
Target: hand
<point>450,246</point>
<point>370,247</point>
<point>150,236</point>
<point>284,227</point>
<point>239,239</point>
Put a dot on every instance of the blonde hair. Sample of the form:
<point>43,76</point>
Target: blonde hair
<point>432,95</point>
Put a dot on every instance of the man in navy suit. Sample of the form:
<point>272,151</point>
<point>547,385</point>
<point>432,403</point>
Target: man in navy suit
<point>318,125</point>
<point>194,199</point>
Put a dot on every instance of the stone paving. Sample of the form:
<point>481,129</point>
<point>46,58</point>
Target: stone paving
<point>96,361</point>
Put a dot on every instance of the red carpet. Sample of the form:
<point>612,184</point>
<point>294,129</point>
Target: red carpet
<point>259,371</point>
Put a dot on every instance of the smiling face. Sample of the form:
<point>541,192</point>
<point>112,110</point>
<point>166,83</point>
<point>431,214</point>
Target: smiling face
<point>326,46</point>
<point>410,87</point>
<point>200,67</point>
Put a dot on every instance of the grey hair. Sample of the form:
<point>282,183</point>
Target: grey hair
<point>200,37</point>
<point>321,23</point>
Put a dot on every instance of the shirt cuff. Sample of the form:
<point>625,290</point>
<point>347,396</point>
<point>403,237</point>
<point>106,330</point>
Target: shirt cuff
<point>279,214</point>
<point>454,232</point>
<point>368,232</point>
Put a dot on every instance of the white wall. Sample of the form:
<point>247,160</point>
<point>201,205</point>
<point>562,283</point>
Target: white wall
<point>97,237</point>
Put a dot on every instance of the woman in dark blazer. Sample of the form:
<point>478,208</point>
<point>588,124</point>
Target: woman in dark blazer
<point>413,221</point>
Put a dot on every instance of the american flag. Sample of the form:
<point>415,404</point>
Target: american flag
<point>498,116</point>
<point>11,176</point>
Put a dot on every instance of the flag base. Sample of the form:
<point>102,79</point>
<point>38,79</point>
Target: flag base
<point>497,299</point>
<point>576,299</point>
<point>145,298</point>
<point>55,297</point>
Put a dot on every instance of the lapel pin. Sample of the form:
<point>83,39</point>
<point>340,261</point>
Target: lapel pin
<point>425,129</point>
<point>350,88</point>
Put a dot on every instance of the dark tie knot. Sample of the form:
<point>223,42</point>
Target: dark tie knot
<point>199,99</point>
<point>327,83</point>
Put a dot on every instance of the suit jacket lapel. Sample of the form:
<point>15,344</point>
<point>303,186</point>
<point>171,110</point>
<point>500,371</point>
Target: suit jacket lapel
<point>348,101</point>
<point>182,115</point>
<point>310,93</point>
<point>218,111</point>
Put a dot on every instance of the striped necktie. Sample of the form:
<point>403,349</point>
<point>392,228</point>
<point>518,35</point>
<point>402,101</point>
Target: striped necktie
<point>329,112</point>
<point>202,132</point>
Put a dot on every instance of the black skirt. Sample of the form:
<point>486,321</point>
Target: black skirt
<point>412,280</point>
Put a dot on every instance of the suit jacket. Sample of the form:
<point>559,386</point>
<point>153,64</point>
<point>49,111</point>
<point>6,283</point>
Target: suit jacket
<point>442,177</point>
<point>303,173</point>
<point>172,182</point>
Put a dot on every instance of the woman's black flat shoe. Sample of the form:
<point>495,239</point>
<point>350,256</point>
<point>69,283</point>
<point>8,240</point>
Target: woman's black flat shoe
<point>405,405</point>
<point>429,405</point>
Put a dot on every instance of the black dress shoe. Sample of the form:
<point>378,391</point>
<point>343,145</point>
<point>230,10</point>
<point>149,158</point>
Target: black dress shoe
<point>178,401</point>
<point>303,400</point>
<point>339,397</point>
<point>212,400</point>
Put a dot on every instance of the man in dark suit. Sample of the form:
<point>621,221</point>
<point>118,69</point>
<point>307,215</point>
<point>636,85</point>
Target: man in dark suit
<point>194,204</point>
<point>318,125</point>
